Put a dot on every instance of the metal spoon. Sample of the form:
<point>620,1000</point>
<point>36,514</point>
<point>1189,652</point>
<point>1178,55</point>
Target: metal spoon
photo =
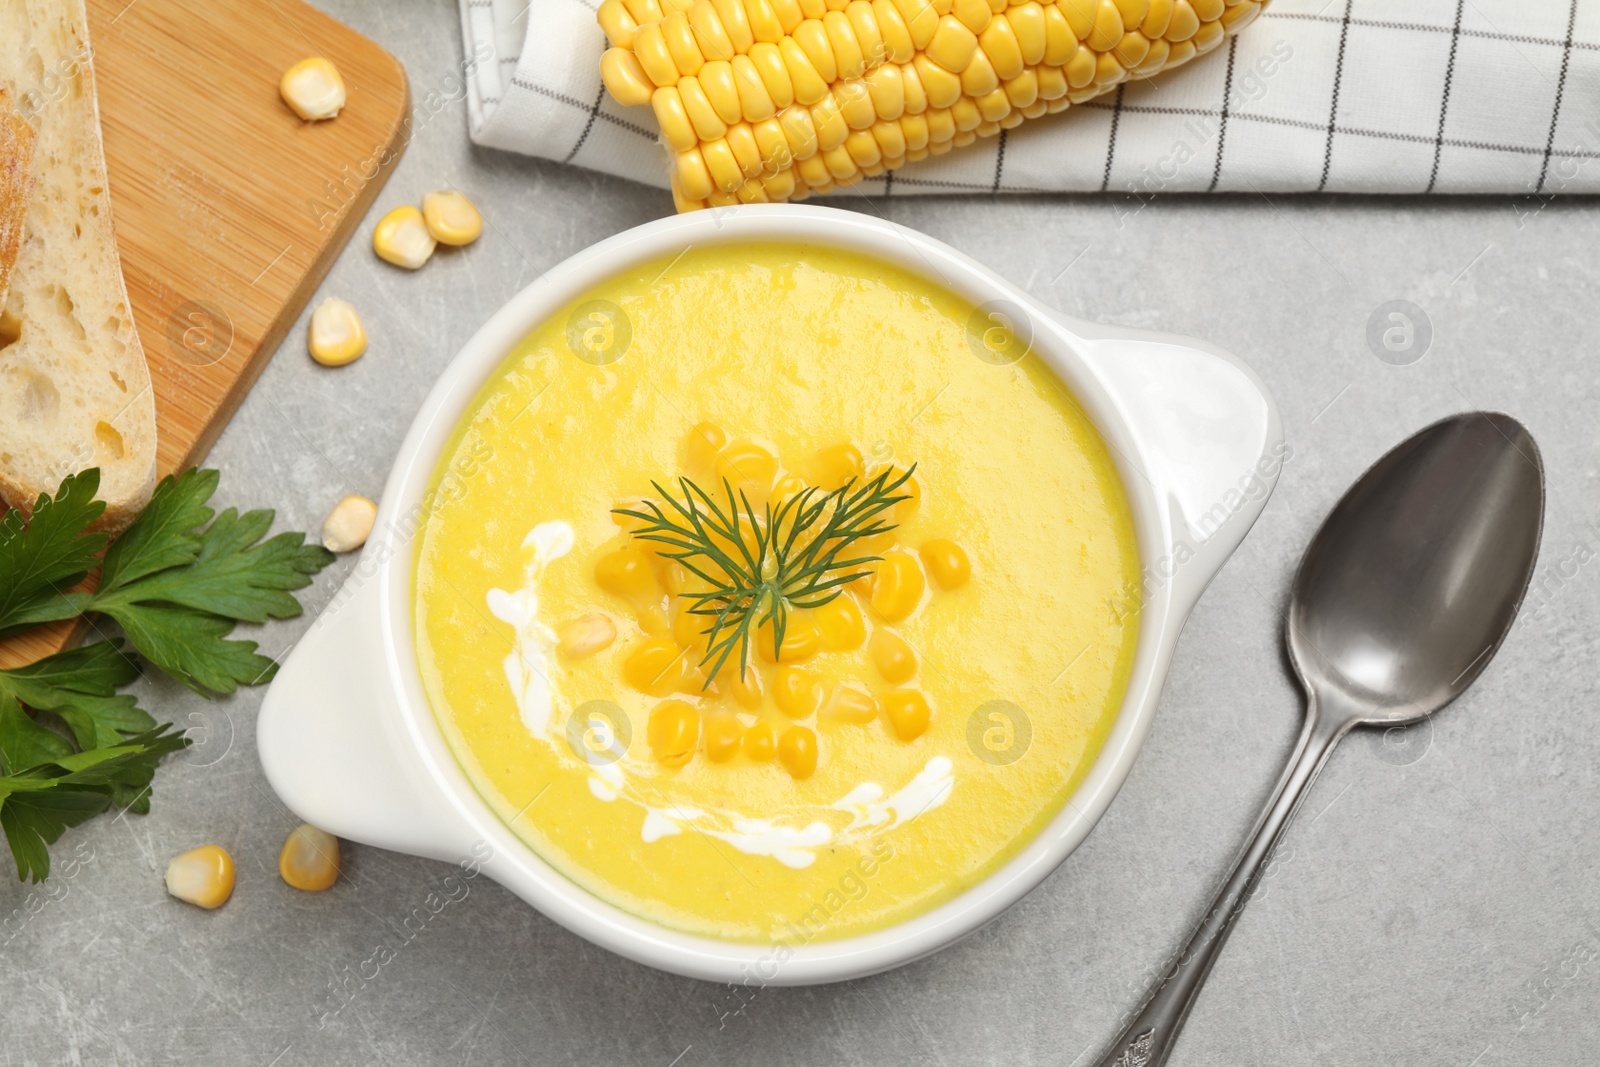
<point>1403,597</point>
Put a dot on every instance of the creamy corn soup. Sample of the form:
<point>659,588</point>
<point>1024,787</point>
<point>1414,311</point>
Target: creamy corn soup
<point>704,451</point>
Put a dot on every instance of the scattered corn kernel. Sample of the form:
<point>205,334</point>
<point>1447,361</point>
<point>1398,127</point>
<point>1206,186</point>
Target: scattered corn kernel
<point>202,876</point>
<point>947,562</point>
<point>907,712</point>
<point>894,658</point>
<point>797,750</point>
<point>847,703</point>
<point>451,218</point>
<point>313,89</point>
<point>658,667</point>
<point>839,624</point>
<point>310,859</point>
<point>402,238</point>
<point>585,635</point>
<point>723,731</point>
<point>336,335</point>
<point>348,525</point>
<point>797,691</point>
<point>898,587</point>
<point>761,742</point>
<point>674,731</point>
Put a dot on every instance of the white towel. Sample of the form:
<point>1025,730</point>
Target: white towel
<point>1358,96</point>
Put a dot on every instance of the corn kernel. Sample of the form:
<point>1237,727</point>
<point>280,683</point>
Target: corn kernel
<point>797,691</point>
<point>1157,19</point>
<point>975,15</point>
<point>336,335</point>
<point>835,465</point>
<point>451,217</point>
<point>1060,43</point>
<point>895,660</point>
<point>1184,22</point>
<point>1208,36</point>
<point>745,688</point>
<point>619,27</point>
<point>797,750</point>
<point>687,628</point>
<point>908,713</point>
<point>310,859</point>
<point>686,55</point>
<point>402,238</point>
<point>585,635</point>
<point>801,639</point>
<point>624,77</point>
<point>201,876</point>
<point>953,45</point>
<point>847,703</point>
<point>1240,15</point>
<point>1133,12</point>
<point>1080,15</point>
<point>349,524</point>
<point>1208,10</point>
<point>947,562</point>
<point>839,624</point>
<point>658,667</point>
<point>313,89</point>
<point>626,572</point>
<point>898,587</point>
<point>911,489</point>
<point>761,742</point>
<point>1027,22</point>
<point>674,731</point>
<point>737,22</point>
<point>748,467</point>
<point>723,732</point>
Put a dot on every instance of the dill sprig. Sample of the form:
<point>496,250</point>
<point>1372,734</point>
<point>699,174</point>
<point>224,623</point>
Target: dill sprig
<point>760,566</point>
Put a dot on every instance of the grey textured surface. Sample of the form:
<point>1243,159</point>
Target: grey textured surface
<point>1435,903</point>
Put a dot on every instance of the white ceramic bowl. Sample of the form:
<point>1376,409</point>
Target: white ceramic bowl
<point>350,743</point>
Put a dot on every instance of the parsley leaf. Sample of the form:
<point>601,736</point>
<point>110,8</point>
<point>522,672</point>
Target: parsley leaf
<point>38,805</point>
<point>52,552</point>
<point>177,590</point>
<point>78,686</point>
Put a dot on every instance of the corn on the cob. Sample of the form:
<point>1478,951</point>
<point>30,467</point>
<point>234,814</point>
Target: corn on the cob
<point>767,100</point>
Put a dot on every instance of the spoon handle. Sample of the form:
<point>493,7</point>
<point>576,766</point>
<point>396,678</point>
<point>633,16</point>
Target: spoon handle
<point>1147,1041</point>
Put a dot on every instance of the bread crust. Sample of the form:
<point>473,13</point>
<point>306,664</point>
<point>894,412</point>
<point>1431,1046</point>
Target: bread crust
<point>16,185</point>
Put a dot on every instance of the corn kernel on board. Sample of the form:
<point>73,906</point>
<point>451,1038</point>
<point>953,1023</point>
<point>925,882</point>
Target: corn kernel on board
<point>763,100</point>
<point>229,210</point>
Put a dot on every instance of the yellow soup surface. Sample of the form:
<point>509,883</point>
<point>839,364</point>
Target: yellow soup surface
<point>909,735</point>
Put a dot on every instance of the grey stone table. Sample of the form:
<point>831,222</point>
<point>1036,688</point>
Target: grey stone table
<point>1435,904</point>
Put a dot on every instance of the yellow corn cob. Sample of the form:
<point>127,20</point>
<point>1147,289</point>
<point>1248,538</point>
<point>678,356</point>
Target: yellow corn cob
<point>770,100</point>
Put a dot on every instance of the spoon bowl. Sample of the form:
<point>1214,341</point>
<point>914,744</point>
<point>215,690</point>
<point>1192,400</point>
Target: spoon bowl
<point>1413,580</point>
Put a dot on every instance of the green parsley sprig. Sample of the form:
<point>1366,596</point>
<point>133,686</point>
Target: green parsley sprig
<point>759,566</point>
<point>176,582</point>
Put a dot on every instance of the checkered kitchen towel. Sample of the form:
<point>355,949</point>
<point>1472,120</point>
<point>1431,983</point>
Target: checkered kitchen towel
<point>1360,96</point>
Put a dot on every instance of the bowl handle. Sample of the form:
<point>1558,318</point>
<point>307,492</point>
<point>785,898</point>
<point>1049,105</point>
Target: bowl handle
<point>1214,440</point>
<point>332,743</point>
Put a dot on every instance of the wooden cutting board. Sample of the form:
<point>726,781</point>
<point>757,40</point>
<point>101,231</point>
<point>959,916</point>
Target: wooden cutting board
<point>229,210</point>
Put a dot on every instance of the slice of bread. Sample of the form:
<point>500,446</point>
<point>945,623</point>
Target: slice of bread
<point>16,185</point>
<point>74,386</point>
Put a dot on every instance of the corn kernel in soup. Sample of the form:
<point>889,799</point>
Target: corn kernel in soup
<point>754,745</point>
